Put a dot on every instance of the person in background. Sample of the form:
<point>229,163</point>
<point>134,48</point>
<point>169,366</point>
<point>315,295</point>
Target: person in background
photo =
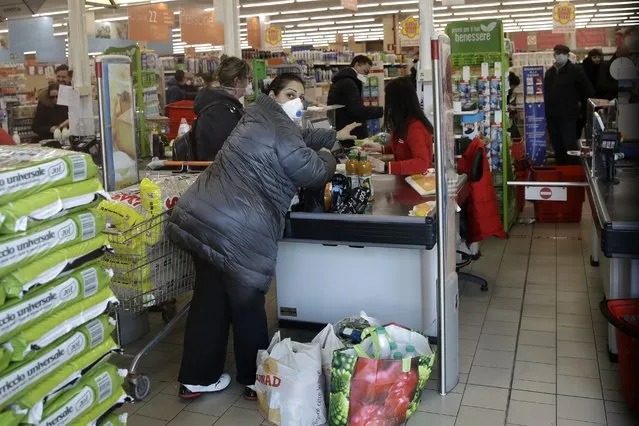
<point>49,115</point>
<point>608,87</point>
<point>592,64</point>
<point>218,109</point>
<point>347,90</point>
<point>6,138</point>
<point>413,71</point>
<point>231,219</point>
<point>209,78</point>
<point>566,88</point>
<point>63,75</point>
<point>189,86</point>
<point>176,88</point>
<point>511,102</point>
<point>411,132</point>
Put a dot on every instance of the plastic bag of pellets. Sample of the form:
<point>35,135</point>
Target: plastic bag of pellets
<point>17,250</point>
<point>50,267</point>
<point>38,366</point>
<point>29,170</point>
<point>45,332</point>
<point>19,215</point>
<point>30,404</point>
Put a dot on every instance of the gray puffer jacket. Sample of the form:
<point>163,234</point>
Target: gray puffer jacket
<point>233,215</point>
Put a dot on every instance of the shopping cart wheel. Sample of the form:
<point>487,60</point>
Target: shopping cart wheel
<point>168,311</point>
<point>139,386</point>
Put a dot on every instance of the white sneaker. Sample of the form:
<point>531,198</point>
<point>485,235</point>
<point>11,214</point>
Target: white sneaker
<point>194,391</point>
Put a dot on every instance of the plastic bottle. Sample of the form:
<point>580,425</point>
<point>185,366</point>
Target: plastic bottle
<point>16,137</point>
<point>351,169</point>
<point>365,173</point>
<point>184,127</point>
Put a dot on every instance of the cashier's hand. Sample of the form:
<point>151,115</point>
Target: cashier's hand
<point>345,133</point>
<point>372,146</point>
<point>378,165</point>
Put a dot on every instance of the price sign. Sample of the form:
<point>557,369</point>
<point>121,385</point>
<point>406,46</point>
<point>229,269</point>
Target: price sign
<point>150,22</point>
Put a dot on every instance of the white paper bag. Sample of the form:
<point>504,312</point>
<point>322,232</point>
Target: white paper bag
<point>328,342</point>
<point>289,383</point>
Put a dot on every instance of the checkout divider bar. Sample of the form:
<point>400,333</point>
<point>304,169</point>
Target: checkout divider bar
<point>546,184</point>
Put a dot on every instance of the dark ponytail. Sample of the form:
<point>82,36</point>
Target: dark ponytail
<point>280,83</point>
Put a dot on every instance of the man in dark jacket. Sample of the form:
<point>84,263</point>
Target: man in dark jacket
<point>176,88</point>
<point>347,90</point>
<point>218,112</point>
<point>591,66</point>
<point>566,88</point>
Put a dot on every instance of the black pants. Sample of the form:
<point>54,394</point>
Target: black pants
<point>218,302</point>
<point>563,138</point>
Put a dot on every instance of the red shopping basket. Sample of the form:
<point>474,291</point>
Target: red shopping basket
<point>560,211</point>
<point>624,315</point>
<point>176,111</point>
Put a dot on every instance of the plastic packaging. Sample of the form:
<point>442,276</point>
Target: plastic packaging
<point>16,137</point>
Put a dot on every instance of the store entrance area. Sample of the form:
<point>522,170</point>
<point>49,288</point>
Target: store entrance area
<point>532,350</point>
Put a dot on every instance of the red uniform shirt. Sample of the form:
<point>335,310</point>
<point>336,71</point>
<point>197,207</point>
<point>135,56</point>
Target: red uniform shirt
<point>414,153</point>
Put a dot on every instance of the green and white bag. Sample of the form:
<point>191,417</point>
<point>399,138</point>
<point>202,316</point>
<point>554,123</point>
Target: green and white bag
<point>45,332</point>
<point>114,419</point>
<point>22,214</point>
<point>49,267</point>
<point>28,170</point>
<point>38,366</point>
<point>21,249</point>
<point>100,385</point>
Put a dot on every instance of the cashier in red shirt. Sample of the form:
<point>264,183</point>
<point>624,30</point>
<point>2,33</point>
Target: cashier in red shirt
<point>411,140</point>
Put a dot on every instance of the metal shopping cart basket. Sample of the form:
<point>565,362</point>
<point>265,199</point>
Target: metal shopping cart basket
<point>149,271</point>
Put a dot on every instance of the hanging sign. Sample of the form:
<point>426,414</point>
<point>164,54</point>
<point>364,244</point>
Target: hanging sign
<point>545,40</point>
<point>476,36</point>
<point>350,5</point>
<point>591,37</point>
<point>200,27</point>
<point>410,32</point>
<point>534,114</point>
<point>151,22</point>
<point>273,38</point>
<point>563,18</point>
<point>254,32</point>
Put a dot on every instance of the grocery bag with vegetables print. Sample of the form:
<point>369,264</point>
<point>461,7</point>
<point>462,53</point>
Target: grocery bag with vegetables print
<point>328,342</point>
<point>289,383</point>
<point>379,382</point>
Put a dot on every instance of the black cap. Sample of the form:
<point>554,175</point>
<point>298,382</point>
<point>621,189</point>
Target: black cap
<point>560,48</point>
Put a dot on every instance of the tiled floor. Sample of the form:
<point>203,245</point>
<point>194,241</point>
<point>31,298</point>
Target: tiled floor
<point>532,348</point>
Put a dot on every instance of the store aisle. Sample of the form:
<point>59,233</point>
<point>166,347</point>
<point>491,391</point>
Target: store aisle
<point>532,349</point>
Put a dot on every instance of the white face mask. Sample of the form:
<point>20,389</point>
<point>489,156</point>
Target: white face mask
<point>293,109</point>
<point>362,77</point>
<point>249,90</point>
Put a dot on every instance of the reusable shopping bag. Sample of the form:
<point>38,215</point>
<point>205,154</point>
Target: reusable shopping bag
<point>289,383</point>
<point>379,381</point>
<point>328,343</point>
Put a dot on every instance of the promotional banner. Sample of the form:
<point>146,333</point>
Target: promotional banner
<point>254,32</point>
<point>273,38</point>
<point>410,32</point>
<point>534,114</point>
<point>591,37</point>
<point>198,26</point>
<point>475,36</point>
<point>563,18</point>
<point>150,22</point>
<point>350,5</point>
<point>546,40</point>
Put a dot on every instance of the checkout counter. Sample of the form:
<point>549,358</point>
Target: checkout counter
<point>383,262</point>
<point>613,191</point>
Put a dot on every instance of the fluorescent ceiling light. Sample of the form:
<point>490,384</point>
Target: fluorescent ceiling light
<point>316,24</point>
<point>397,3</point>
<point>343,15</point>
<point>275,21</point>
<point>364,6</point>
<point>609,19</point>
<point>60,12</point>
<point>514,3</point>
<point>59,25</point>
<point>115,18</point>
<point>441,15</point>
<point>615,14</point>
<point>409,10</point>
<point>522,9</point>
<point>63,33</point>
<point>617,3</point>
<point>353,21</point>
<point>474,6</point>
<point>477,12</point>
<point>268,3</point>
<point>175,30</point>
<point>31,52</point>
<point>618,9</point>
<point>386,12</point>
<point>526,15</point>
<point>260,14</point>
<point>317,9</point>
<point>343,27</point>
<point>579,12</point>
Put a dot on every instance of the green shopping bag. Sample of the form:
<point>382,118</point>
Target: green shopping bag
<point>379,382</point>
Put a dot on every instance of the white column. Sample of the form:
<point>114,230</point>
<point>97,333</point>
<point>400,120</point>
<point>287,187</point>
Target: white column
<point>228,12</point>
<point>424,76</point>
<point>79,62</point>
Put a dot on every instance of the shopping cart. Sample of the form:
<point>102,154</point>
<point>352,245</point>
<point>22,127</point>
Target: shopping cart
<point>149,271</point>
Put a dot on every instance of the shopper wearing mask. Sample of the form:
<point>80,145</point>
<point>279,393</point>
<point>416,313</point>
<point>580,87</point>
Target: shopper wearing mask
<point>566,88</point>
<point>231,220</point>
<point>49,115</point>
<point>176,88</point>
<point>347,90</point>
<point>411,132</point>
<point>219,108</point>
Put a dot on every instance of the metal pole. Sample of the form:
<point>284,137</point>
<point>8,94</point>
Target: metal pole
<point>424,71</point>
<point>227,11</point>
<point>441,193</point>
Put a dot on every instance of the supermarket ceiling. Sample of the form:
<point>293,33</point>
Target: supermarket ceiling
<point>317,21</point>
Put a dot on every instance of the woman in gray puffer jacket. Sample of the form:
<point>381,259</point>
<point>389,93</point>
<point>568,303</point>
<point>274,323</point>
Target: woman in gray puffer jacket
<point>231,219</point>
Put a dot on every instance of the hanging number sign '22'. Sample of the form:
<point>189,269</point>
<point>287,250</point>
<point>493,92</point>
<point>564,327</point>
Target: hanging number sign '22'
<point>150,22</point>
<point>563,18</point>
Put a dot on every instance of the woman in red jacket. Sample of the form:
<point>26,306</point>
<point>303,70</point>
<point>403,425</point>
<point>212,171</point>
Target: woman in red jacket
<point>411,132</point>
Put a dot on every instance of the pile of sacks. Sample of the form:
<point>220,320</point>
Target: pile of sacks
<point>55,334</point>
